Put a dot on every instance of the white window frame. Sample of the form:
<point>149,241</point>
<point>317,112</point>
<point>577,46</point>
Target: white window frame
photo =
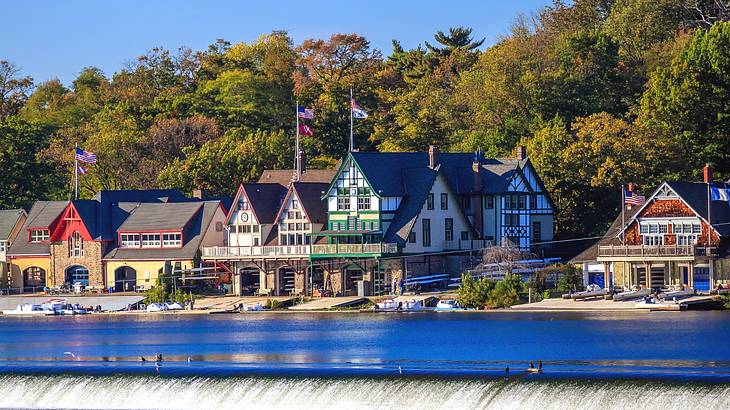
<point>172,240</point>
<point>39,235</point>
<point>343,203</point>
<point>363,203</point>
<point>3,246</point>
<point>151,240</point>
<point>129,240</point>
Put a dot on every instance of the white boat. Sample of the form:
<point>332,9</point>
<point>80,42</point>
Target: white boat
<point>157,307</point>
<point>174,306</point>
<point>447,305</point>
<point>29,309</point>
<point>253,308</point>
<point>397,305</point>
<point>650,303</point>
<point>632,295</point>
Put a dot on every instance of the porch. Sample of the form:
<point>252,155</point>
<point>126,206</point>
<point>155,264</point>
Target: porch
<point>258,252</point>
<point>658,252</point>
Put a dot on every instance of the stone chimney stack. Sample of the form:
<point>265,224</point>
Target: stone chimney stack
<point>521,152</point>
<point>631,187</point>
<point>707,172</point>
<point>199,194</point>
<point>433,152</point>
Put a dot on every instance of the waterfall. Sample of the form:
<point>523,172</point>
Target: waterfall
<point>200,393</point>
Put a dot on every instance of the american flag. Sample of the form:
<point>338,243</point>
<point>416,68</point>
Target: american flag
<point>631,198</point>
<point>81,170</point>
<point>306,113</point>
<point>85,156</point>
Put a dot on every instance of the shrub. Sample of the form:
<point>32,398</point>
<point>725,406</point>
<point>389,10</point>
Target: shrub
<point>273,304</point>
<point>571,278</point>
<point>474,293</point>
<point>507,291</point>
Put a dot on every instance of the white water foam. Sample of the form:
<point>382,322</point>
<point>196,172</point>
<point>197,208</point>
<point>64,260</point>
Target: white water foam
<point>135,392</point>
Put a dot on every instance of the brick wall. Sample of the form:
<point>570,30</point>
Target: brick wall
<point>60,261</point>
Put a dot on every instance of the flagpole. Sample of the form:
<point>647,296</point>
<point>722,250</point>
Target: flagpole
<point>296,148</point>
<point>709,219</point>
<point>623,215</point>
<point>352,139</point>
<point>76,174</point>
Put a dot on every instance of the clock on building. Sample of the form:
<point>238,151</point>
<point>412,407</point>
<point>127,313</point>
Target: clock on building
<point>244,216</point>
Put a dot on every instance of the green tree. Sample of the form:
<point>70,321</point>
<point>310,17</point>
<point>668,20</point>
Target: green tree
<point>474,293</point>
<point>571,279</point>
<point>25,178</point>
<point>690,99</point>
<point>13,89</point>
<point>507,291</point>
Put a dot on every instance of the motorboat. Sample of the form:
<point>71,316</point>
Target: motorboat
<point>632,295</point>
<point>29,309</point>
<point>592,291</point>
<point>253,308</point>
<point>398,305</point>
<point>157,307</point>
<point>174,306</point>
<point>447,305</point>
<point>655,304</point>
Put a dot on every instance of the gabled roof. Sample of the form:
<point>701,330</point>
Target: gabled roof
<point>310,194</point>
<point>286,176</point>
<point>41,215</point>
<point>192,236</point>
<point>384,171</point>
<point>152,217</point>
<point>694,195</point>
<point>8,220</point>
<point>107,202</point>
<point>265,200</point>
<point>418,183</point>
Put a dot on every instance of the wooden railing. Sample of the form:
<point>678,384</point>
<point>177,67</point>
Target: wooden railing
<point>255,251</point>
<point>215,252</point>
<point>654,251</point>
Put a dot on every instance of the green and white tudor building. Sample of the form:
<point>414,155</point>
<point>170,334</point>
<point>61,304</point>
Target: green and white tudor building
<point>327,232</point>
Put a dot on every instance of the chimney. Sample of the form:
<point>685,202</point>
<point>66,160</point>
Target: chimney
<point>433,152</point>
<point>521,152</point>
<point>199,194</point>
<point>707,172</point>
<point>631,187</point>
<point>302,162</point>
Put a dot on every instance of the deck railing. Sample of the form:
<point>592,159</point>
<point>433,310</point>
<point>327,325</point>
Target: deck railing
<point>255,251</point>
<point>354,248</point>
<point>654,251</point>
<point>215,252</point>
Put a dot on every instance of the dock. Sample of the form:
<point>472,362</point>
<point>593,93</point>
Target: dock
<point>227,303</point>
<point>108,303</point>
<point>330,303</point>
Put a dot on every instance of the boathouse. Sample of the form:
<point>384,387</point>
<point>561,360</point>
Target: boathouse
<point>678,236</point>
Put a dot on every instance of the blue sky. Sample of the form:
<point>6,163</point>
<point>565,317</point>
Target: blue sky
<point>48,39</point>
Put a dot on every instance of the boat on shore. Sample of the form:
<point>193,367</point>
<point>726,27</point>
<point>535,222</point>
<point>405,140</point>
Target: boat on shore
<point>592,291</point>
<point>397,305</point>
<point>632,295</point>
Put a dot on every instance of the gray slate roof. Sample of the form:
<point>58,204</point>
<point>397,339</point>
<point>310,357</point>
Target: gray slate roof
<point>159,216</point>
<point>418,183</point>
<point>8,220</point>
<point>384,170</point>
<point>284,176</point>
<point>265,199</point>
<point>193,235</point>
<point>310,195</point>
<point>41,215</point>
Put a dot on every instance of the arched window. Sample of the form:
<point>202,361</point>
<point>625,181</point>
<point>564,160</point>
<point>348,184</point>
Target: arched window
<point>75,245</point>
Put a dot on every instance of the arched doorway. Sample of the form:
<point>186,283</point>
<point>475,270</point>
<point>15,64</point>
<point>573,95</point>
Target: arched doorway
<point>77,274</point>
<point>125,279</point>
<point>34,278</point>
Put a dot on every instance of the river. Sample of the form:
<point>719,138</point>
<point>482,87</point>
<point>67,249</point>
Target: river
<point>348,360</point>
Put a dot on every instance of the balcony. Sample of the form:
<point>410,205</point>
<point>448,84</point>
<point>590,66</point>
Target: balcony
<point>644,252</point>
<point>353,249</point>
<point>249,252</point>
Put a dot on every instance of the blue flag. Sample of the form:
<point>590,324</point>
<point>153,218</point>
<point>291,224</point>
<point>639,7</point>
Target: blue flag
<point>719,194</point>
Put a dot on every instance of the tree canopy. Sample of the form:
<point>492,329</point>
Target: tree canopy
<point>602,92</point>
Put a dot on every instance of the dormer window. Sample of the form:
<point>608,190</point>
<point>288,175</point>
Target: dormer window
<point>129,240</point>
<point>171,240</point>
<point>151,240</point>
<point>39,235</point>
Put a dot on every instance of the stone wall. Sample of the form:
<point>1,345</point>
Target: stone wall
<point>60,261</point>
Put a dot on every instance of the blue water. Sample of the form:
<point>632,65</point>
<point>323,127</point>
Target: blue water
<point>681,344</point>
<point>667,360</point>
